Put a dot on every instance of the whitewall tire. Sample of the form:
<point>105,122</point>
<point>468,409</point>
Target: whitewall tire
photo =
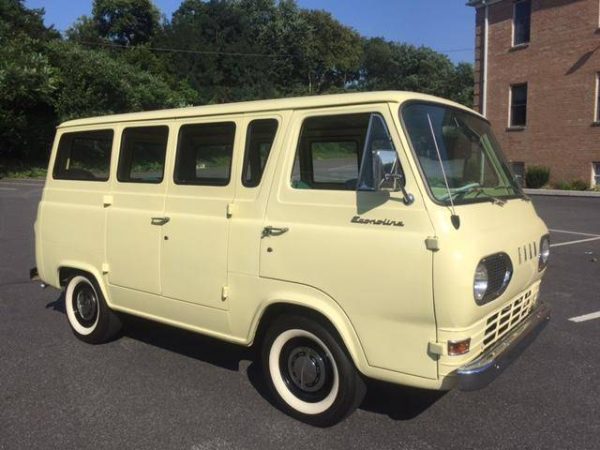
<point>309,372</point>
<point>89,316</point>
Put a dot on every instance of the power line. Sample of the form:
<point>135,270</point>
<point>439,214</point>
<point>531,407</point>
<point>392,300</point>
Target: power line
<point>185,51</point>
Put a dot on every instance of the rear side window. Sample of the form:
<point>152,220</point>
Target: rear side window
<point>84,156</point>
<point>143,151</point>
<point>329,152</point>
<point>259,140</point>
<point>204,154</point>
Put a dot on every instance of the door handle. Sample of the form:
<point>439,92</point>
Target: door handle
<point>274,231</point>
<point>159,220</point>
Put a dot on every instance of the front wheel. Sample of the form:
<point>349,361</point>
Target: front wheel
<point>309,373</point>
<point>89,316</point>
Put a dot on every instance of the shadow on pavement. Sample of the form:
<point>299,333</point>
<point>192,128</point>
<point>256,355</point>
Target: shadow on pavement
<point>58,304</point>
<point>397,402</point>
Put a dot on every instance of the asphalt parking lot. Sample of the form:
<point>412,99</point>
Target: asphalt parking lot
<point>159,387</point>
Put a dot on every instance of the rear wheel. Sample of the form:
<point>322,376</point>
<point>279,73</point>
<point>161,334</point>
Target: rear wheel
<point>309,373</point>
<point>89,316</point>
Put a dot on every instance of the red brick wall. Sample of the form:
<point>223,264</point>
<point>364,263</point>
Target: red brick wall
<point>560,66</point>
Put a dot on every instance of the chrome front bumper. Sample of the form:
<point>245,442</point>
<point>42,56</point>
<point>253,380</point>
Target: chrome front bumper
<point>484,369</point>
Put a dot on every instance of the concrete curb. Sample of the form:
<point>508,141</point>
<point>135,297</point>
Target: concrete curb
<point>560,193</point>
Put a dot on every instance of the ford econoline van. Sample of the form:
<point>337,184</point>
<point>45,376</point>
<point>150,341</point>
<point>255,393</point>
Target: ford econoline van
<point>370,235</point>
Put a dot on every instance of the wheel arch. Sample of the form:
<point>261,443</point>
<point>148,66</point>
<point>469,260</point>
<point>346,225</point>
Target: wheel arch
<point>67,269</point>
<point>324,313</point>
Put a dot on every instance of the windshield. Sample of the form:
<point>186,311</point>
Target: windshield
<point>458,148</point>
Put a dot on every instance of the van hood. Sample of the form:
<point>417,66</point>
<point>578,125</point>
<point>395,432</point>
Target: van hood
<point>485,229</point>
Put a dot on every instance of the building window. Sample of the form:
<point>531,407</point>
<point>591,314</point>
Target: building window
<point>518,105</point>
<point>597,109</point>
<point>596,170</point>
<point>522,22</point>
<point>518,168</point>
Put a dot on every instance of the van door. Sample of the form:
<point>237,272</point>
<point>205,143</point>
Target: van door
<point>136,211</point>
<point>195,240</point>
<point>365,250</point>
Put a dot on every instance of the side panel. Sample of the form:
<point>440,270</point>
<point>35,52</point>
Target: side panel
<point>380,276</point>
<point>71,220</point>
<point>195,240</point>
<point>133,243</point>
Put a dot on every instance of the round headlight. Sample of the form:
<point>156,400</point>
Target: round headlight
<point>480,284</point>
<point>544,255</point>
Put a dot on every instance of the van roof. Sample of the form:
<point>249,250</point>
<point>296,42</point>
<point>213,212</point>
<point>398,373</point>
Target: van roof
<point>263,106</point>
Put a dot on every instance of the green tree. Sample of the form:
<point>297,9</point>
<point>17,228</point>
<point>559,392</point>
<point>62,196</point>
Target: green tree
<point>94,82</point>
<point>393,65</point>
<point>463,83</point>
<point>27,83</point>
<point>332,52</point>
<point>125,22</point>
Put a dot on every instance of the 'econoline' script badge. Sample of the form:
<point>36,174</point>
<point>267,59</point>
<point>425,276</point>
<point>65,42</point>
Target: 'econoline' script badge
<point>384,222</point>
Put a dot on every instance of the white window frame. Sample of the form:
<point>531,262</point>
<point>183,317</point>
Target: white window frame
<point>596,174</point>
<point>510,106</point>
<point>597,99</point>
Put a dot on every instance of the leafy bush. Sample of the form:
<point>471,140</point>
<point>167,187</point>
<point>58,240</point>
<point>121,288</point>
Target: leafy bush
<point>579,185</point>
<point>537,176</point>
<point>575,185</point>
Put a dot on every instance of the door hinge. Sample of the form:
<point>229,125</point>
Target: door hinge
<point>435,348</point>
<point>431,243</point>
<point>230,209</point>
<point>105,268</point>
<point>107,200</point>
<point>224,293</point>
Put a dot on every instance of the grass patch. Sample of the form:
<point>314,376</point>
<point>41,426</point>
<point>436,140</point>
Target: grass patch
<point>20,170</point>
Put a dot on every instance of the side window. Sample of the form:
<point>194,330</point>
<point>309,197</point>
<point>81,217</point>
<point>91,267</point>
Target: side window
<point>329,152</point>
<point>142,158</point>
<point>204,154</point>
<point>259,140</point>
<point>84,156</point>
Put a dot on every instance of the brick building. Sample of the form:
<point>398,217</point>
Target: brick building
<point>537,71</point>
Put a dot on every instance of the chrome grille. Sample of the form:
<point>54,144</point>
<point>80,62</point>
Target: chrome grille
<point>501,322</point>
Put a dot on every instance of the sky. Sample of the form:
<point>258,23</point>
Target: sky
<point>444,25</point>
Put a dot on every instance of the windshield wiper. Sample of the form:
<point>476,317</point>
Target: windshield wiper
<point>479,191</point>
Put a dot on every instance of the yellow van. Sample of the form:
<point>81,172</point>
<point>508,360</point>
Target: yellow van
<point>371,235</point>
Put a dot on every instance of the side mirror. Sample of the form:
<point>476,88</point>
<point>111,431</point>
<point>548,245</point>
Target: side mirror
<point>380,168</point>
<point>386,171</point>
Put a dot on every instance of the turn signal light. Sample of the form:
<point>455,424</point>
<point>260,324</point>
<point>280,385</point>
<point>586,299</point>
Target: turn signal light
<point>456,348</point>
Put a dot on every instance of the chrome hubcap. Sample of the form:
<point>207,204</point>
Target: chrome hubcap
<point>86,304</point>
<point>307,369</point>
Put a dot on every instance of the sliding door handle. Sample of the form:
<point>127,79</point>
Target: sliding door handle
<point>159,220</point>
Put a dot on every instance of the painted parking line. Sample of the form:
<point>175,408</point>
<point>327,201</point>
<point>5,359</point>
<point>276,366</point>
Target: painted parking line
<point>579,241</point>
<point>586,317</point>
<point>7,189</point>
<point>575,232</point>
<point>592,237</point>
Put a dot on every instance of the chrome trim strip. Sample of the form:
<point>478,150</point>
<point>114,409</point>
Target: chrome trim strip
<point>484,369</point>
